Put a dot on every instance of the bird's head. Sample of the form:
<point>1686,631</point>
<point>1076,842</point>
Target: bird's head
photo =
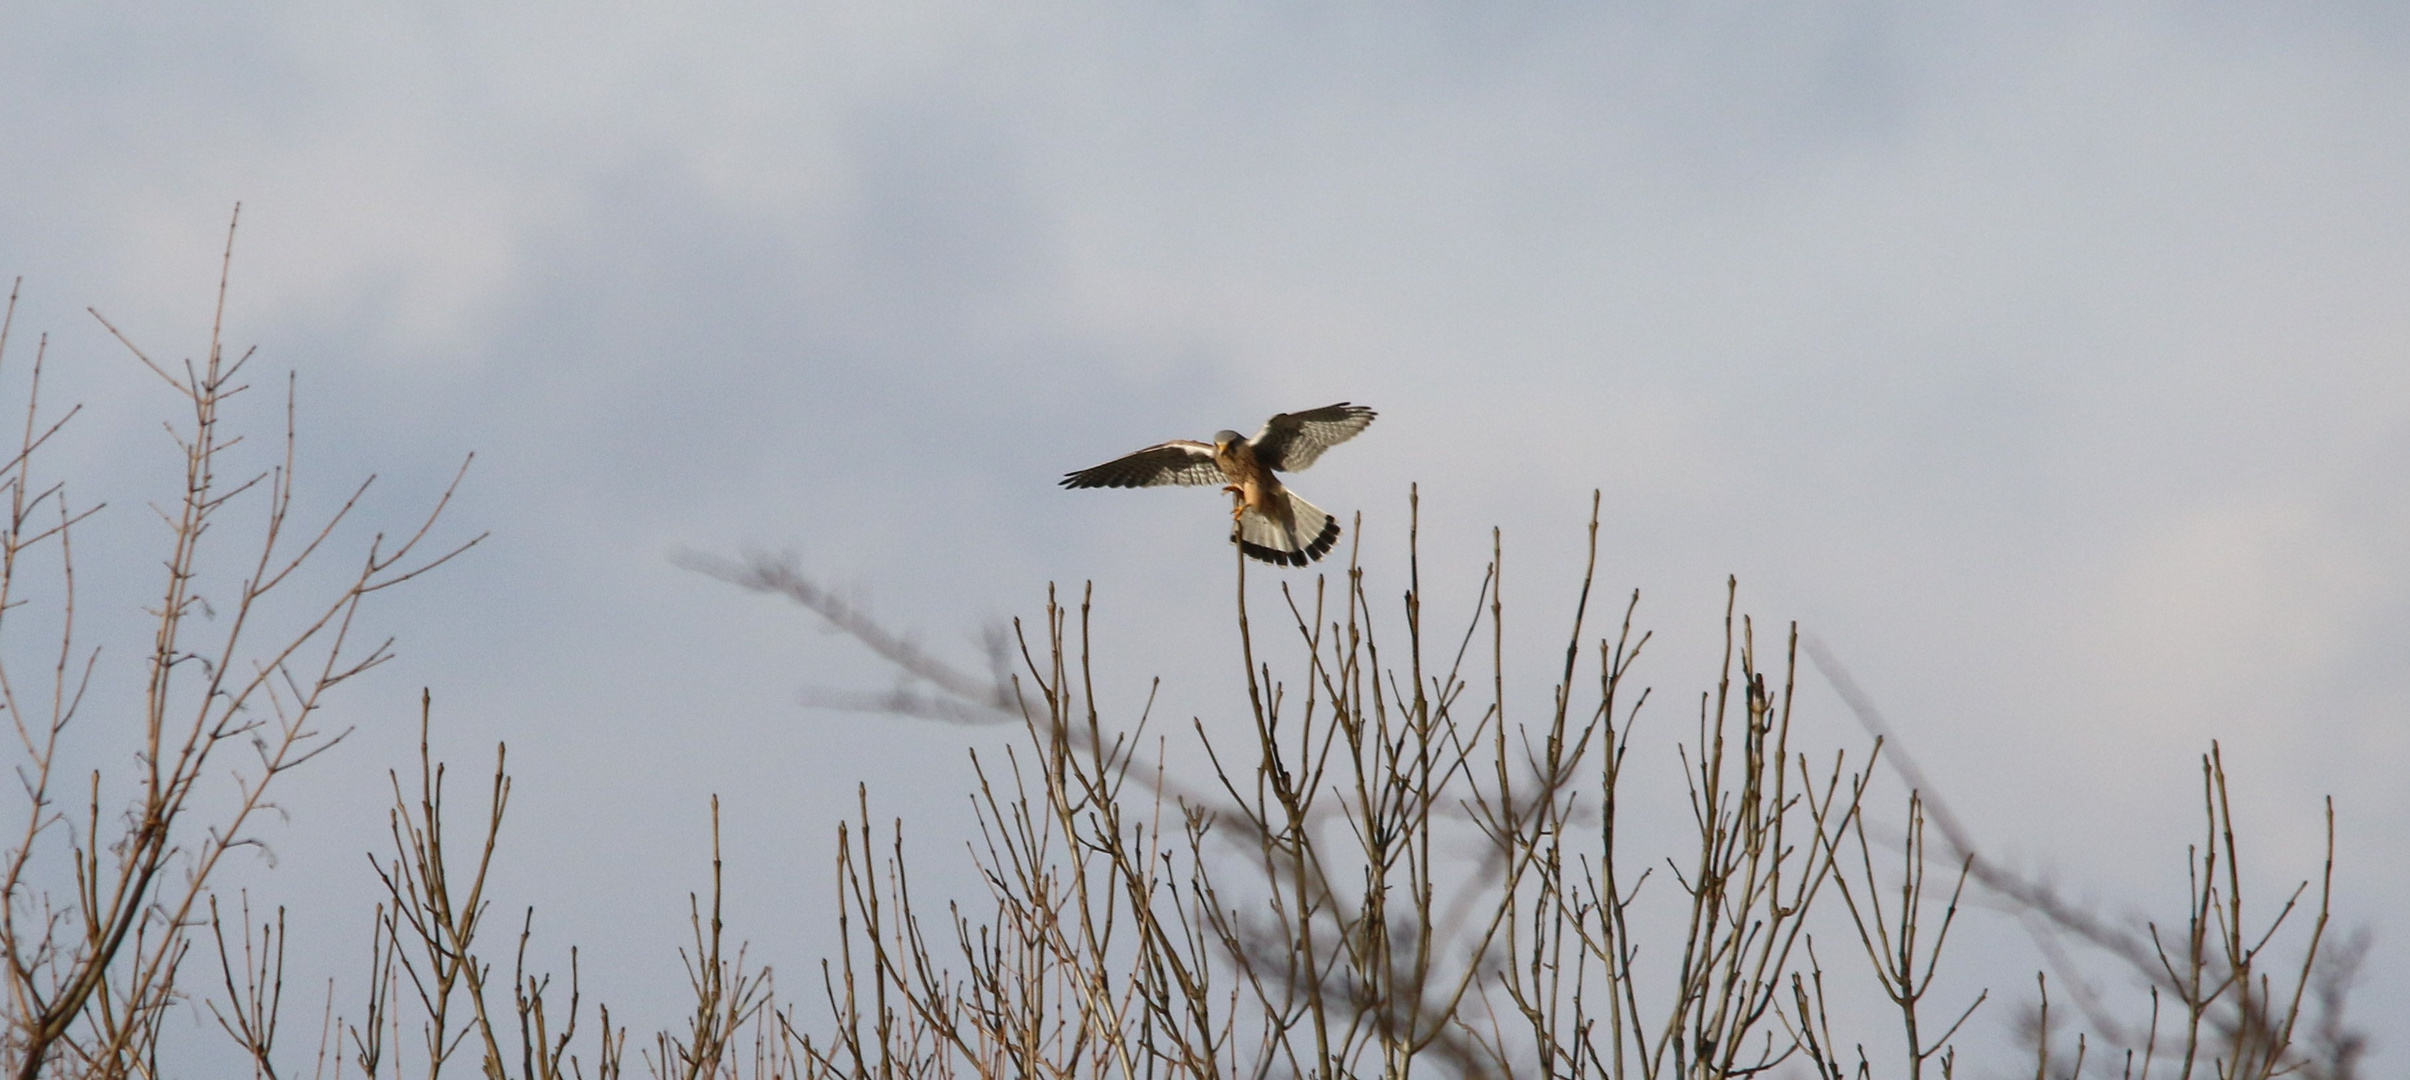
<point>1223,439</point>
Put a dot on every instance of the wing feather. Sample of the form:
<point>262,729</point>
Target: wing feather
<point>1292,441</point>
<point>1180,461</point>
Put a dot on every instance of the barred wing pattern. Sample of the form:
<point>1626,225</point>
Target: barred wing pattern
<point>1180,461</point>
<point>1292,441</point>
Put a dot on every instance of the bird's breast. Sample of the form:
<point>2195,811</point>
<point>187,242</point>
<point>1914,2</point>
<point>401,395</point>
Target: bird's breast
<point>1257,486</point>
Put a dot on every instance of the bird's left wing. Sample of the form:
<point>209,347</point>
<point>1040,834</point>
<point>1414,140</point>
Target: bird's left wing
<point>1180,461</point>
<point>1292,441</point>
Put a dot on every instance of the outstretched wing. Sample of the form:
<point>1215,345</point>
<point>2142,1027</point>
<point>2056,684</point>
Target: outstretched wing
<point>1180,461</point>
<point>1292,441</point>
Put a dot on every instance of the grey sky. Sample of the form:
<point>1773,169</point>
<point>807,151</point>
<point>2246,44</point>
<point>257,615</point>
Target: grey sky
<point>2049,366</point>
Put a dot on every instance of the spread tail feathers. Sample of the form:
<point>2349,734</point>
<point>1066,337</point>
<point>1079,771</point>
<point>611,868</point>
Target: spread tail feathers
<point>1309,534</point>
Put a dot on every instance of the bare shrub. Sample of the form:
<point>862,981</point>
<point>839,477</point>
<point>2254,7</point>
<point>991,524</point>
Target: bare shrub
<point>2226,996</point>
<point>1390,875</point>
<point>92,974</point>
<point>1385,870</point>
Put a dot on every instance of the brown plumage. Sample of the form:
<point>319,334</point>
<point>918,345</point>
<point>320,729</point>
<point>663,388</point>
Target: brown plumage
<point>1270,522</point>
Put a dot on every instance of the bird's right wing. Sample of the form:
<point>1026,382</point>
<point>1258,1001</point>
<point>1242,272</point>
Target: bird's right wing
<point>1180,461</point>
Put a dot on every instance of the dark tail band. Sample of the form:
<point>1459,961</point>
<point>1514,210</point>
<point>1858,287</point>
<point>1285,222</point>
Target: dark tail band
<point>1321,546</point>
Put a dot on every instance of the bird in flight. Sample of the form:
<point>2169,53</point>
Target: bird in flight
<point>1270,522</point>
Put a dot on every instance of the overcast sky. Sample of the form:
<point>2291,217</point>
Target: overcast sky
<point>2053,368</point>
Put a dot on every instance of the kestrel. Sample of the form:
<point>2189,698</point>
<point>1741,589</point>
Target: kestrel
<point>1270,522</point>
